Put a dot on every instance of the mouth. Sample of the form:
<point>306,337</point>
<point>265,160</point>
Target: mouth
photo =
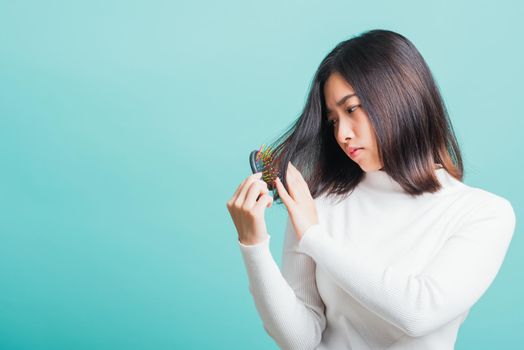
<point>354,151</point>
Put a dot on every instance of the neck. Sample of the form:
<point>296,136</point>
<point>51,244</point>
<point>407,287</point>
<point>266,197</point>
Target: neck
<point>379,180</point>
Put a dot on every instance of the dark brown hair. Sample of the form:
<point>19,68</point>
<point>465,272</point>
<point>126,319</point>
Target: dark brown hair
<point>405,108</point>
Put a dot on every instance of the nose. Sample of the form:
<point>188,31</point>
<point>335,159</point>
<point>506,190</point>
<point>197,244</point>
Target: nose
<point>344,131</point>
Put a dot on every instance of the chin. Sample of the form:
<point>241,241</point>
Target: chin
<point>367,169</point>
<point>363,167</point>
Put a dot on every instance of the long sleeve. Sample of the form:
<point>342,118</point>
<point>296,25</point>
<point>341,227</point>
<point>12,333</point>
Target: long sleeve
<point>449,284</point>
<point>288,302</point>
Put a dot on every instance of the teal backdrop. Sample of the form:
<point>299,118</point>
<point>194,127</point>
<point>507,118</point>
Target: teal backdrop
<point>125,127</point>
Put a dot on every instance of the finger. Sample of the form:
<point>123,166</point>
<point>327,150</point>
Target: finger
<point>240,198</point>
<point>297,174</point>
<point>237,191</point>
<point>286,198</point>
<point>292,182</point>
<point>265,201</point>
<point>300,179</point>
<point>257,188</point>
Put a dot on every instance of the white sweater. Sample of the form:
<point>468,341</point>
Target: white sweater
<point>382,269</point>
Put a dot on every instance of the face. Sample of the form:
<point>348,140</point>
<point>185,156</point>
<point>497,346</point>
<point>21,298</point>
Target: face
<point>350,124</point>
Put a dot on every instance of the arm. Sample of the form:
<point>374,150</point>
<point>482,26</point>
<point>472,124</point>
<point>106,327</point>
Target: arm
<point>288,303</point>
<point>449,285</point>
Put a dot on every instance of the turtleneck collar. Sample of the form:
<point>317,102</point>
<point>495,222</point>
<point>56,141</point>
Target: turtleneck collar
<point>379,180</point>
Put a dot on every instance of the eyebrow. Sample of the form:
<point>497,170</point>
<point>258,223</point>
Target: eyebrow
<point>342,100</point>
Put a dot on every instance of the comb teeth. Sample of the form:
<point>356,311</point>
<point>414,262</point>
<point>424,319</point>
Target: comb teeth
<point>264,164</point>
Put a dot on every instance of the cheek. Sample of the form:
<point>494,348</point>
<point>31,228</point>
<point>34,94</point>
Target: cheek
<point>371,136</point>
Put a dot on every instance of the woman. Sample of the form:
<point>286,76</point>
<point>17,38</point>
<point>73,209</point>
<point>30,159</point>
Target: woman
<point>406,249</point>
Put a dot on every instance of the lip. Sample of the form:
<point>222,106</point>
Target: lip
<point>354,151</point>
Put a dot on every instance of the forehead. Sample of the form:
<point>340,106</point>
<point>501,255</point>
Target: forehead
<point>336,91</point>
<point>337,82</point>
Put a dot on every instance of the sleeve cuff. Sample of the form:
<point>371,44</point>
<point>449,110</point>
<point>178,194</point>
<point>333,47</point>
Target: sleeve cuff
<point>256,253</point>
<point>252,246</point>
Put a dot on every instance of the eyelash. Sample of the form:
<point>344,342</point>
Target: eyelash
<point>349,110</point>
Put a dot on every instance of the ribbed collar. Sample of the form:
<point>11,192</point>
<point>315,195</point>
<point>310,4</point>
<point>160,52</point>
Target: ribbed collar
<point>379,180</point>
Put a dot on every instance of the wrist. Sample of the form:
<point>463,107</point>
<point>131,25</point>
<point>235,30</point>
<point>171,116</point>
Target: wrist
<point>254,240</point>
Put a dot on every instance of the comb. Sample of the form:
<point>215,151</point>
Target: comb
<point>261,160</point>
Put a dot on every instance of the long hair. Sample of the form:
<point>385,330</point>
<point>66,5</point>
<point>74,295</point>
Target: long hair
<point>398,92</point>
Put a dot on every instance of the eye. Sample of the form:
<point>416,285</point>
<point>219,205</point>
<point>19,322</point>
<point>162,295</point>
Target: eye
<point>330,122</point>
<point>350,110</point>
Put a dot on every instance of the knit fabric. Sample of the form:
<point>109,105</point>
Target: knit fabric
<point>382,269</point>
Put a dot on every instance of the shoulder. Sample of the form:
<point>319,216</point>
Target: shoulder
<point>484,205</point>
<point>327,205</point>
<point>485,198</point>
<point>328,201</point>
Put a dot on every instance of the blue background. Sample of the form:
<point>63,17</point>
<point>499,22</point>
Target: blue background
<point>125,127</point>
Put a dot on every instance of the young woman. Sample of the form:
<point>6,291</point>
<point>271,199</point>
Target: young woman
<point>385,246</point>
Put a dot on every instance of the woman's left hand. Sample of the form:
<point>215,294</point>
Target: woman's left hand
<point>299,202</point>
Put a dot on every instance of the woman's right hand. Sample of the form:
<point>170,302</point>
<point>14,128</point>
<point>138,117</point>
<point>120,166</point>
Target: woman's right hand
<point>247,209</point>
